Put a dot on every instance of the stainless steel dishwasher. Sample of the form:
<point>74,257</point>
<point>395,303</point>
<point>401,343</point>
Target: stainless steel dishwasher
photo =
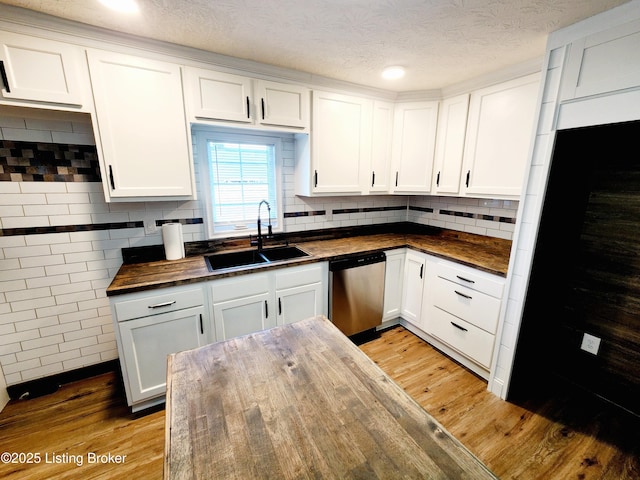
<point>356,286</point>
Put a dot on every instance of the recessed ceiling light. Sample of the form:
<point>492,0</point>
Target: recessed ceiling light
<point>124,6</point>
<point>393,73</point>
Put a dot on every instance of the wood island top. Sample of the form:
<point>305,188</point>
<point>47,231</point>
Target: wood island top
<point>484,253</point>
<point>300,401</point>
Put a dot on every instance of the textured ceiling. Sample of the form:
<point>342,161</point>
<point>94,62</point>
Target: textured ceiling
<point>440,42</point>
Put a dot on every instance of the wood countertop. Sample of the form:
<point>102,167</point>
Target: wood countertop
<point>484,253</point>
<point>300,401</point>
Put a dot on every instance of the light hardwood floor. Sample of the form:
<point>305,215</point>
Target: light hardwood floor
<point>569,438</point>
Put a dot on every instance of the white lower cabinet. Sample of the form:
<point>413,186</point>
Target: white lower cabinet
<point>151,325</point>
<point>393,281</point>
<point>452,306</point>
<point>241,305</point>
<point>257,301</point>
<point>301,292</point>
<point>413,286</point>
<point>148,327</point>
<point>461,308</point>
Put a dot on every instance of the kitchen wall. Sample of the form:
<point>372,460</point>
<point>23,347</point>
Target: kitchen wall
<point>60,243</point>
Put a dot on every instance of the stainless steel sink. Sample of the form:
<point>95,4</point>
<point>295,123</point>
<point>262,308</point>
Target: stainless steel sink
<point>245,258</point>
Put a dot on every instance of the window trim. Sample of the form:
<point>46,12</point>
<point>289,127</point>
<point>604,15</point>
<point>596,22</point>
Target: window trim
<point>202,135</point>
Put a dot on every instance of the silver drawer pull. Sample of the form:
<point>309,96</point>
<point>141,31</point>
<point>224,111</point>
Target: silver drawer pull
<point>160,305</point>
<point>465,279</point>
<point>463,295</point>
<point>459,327</point>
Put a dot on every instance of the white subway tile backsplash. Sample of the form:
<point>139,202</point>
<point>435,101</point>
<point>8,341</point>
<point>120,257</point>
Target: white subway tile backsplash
<point>82,361</point>
<point>73,138</point>
<point>20,366</point>
<point>47,280</point>
<point>42,187</point>
<point>33,293</point>
<point>36,353</point>
<point>23,199</point>
<point>60,357</point>
<point>79,343</point>
<point>67,198</point>
<point>39,372</point>
<point>37,323</point>
<point>60,329</point>
<point>25,135</point>
<point>18,337</point>
<point>53,124</point>
<point>33,303</point>
<point>42,341</point>
<point>25,222</point>
<point>49,210</point>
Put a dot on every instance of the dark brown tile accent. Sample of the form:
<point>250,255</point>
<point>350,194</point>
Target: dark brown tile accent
<point>479,216</point>
<point>366,209</point>
<point>304,214</point>
<point>48,162</point>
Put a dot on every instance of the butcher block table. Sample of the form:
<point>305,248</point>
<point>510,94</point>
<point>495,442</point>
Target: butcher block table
<point>300,401</point>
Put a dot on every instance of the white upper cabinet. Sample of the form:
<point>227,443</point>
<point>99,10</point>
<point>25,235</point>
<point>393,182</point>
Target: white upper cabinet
<point>340,144</point>
<point>381,147</point>
<point>141,127</point>
<point>603,62</point>
<point>282,104</point>
<point>42,71</point>
<point>218,96</point>
<point>499,133</point>
<point>227,98</point>
<point>452,127</point>
<point>414,139</point>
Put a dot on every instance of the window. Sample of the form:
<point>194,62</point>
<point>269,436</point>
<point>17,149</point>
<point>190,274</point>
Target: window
<point>240,170</point>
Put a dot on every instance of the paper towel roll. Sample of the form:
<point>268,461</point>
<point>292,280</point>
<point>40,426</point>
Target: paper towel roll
<point>173,243</point>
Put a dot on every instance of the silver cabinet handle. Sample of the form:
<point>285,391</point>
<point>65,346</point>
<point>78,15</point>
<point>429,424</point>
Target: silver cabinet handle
<point>160,305</point>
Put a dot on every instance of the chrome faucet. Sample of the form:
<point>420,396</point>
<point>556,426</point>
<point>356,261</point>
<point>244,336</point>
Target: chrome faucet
<point>269,230</point>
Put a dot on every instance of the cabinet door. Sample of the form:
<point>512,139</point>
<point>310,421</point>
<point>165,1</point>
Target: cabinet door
<point>414,140</point>
<point>218,96</point>
<point>381,147</point>
<point>298,303</point>
<point>393,281</point>
<point>414,273</point>
<point>603,63</point>
<point>340,143</point>
<point>499,133</point>
<point>142,127</point>
<point>282,105</point>
<point>40,70</point>
<point>452,127</point>
<point>243,315</point>
<point>147,341</point>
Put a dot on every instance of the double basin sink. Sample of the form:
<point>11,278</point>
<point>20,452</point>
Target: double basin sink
<point>244,258</point>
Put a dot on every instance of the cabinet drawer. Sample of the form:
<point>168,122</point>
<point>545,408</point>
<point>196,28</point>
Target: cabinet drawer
<point>462,336</point>
<point>295,276</point>
<point>470,278</point>
<point>471,305</point>
<point>142,305</point>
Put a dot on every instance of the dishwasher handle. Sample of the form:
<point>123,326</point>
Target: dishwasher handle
<point>358,260</point>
